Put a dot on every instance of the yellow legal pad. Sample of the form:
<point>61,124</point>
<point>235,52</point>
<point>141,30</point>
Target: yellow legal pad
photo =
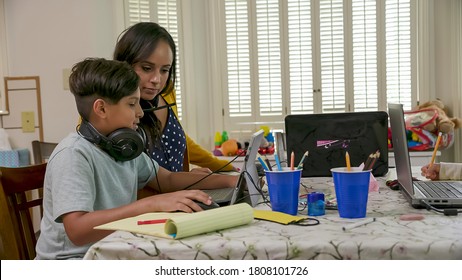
<point>181,225</point>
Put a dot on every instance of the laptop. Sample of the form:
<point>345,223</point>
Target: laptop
<point>247,188</point>
<point>441,194</point>
<point>327,137</point>
<point>280,146</point>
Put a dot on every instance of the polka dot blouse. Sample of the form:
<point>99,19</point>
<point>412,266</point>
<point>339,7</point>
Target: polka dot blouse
<point>170,153</point>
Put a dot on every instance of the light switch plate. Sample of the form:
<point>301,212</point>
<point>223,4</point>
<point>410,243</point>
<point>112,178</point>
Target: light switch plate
<point>28,121</point>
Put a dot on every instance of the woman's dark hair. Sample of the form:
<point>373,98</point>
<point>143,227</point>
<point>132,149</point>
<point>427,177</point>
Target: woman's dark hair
<point>136,44</point>
<point>95,78</point>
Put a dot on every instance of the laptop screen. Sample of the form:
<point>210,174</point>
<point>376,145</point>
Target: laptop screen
<point>400,149</point>
<point>250,169</point>
<point>327,137</point>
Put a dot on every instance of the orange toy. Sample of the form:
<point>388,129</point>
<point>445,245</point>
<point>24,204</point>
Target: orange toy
<point>229,147</point>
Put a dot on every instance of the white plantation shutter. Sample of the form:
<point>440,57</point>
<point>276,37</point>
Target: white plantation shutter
<point>269,57</point>
<point>163,12</point>
<point>300,56</point>
<point>332,56</point>
<point>137,11</point>
<point>319,56</point>
<point>398,45</point>
<point>364,53</point>
<point>238,57</point>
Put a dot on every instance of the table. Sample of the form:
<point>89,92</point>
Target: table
<point>434,237</point>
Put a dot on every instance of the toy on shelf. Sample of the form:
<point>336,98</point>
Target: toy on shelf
<point>225,146</point>
<point>423,124</point>
<point>267,143</point>
<point>218,140</point>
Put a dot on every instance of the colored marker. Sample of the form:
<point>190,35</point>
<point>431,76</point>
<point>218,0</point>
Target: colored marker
<point>278,163</point>
<point>151,222</point>
<point>263,164</point>
<point>300,164</point>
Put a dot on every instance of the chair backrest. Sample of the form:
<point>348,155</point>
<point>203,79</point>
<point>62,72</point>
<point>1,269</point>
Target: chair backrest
<point>21,189</point>
<point>42,150</point>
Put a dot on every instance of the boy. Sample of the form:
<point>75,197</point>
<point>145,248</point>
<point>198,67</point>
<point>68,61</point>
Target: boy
<point>93,175</point>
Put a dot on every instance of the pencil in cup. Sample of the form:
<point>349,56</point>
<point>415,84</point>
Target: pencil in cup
<point>347,160</point>
<point>302,161</point>
<point>292,160</point>
<point>263,164</point>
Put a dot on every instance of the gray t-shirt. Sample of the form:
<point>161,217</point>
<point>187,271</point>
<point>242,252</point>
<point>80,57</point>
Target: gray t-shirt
<point>82,177</point>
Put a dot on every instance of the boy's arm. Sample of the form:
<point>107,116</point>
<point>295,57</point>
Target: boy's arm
<point>79,225</point>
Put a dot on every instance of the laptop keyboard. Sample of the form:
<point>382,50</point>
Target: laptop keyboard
<point>439,189</point>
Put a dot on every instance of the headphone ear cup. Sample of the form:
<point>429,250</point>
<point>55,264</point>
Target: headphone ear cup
<point>127,144</point>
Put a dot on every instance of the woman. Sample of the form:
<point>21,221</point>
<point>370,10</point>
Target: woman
<point>151,51</point>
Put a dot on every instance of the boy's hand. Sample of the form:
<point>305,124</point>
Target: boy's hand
<point>180,201</point>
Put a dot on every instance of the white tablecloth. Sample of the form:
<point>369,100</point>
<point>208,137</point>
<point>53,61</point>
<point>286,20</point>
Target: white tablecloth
<point>434,237</point>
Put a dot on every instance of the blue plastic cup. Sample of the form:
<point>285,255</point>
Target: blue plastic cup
<point>283,188</point>
<point>351,190</point>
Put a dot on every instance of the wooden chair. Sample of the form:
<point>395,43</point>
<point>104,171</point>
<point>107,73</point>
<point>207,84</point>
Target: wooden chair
<point>42,150</point>
<point>18,237</point>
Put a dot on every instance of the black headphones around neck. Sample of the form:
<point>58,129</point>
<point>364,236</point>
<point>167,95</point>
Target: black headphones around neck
<point>122,144</point>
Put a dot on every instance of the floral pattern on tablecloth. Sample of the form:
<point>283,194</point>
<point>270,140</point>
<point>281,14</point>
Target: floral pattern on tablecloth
<point>434,237</point>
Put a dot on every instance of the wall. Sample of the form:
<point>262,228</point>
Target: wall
<point>45,37</point>
<point>448,20</point>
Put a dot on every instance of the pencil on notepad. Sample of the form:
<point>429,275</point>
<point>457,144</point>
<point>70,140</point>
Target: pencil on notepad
<point>347,159</point>
<point>438,140</point>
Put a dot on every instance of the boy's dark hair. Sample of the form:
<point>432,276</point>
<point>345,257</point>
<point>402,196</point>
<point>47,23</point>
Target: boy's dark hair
<point>95,78</point>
